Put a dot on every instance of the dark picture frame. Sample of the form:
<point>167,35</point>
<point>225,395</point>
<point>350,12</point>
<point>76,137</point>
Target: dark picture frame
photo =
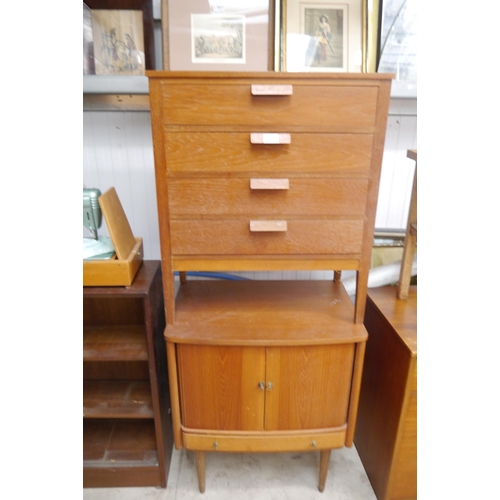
<point>146,6</point>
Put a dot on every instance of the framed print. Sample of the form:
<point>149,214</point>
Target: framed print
<point>118,42</point>
<point>218,39</point>
<point>227,35</point>
<point>146,8</point>
<point>322,36</point>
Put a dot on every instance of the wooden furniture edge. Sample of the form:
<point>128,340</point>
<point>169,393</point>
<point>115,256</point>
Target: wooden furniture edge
<point>265,441</point>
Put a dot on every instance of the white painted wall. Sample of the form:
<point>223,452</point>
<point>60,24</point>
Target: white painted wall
<point>118,152</point>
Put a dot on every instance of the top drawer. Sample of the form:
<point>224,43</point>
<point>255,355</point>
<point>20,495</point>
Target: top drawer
<point>316,107</point>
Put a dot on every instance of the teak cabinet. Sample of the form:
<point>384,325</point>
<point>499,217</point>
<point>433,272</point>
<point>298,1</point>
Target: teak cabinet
<point>264,366</point>
<point>127,428</point>
<point>266,171</point>
<point>275,386</point>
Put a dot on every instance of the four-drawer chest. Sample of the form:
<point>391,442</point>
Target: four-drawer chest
<point>266,171</point>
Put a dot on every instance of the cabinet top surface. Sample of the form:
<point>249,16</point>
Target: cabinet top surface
<point>264,313</point>
<point>206,75</point>
<point>400,313</point>
<point>139,288</point>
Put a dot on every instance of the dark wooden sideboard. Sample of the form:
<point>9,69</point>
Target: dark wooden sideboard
<point>386,431</point>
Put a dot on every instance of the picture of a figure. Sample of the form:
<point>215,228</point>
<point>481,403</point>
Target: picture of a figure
<point>326,29</point>
<point>323,37</point>
<point>118,42</point>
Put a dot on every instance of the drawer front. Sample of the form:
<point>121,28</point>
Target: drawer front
<point>194,197</point>
<point>234,237</point>
<point>248,442</point>
<point>327,107</point>
<point>335,154</point>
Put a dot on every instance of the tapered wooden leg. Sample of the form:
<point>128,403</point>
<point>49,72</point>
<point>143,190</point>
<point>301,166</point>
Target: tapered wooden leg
<point>337,275</point>
<point>324,461</point>
<point>182,276</point>
<point>200,469</point>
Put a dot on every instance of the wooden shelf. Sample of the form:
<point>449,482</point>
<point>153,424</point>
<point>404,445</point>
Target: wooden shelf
<point>120,452</point>
<point>127,438</point>
<point>233,312</point>
<point>129,399</point>
<point>114,343</point>
<point>109,441</point>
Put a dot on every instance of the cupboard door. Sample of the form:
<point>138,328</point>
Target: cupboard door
<point>308,387</point>
<point>219,387</point>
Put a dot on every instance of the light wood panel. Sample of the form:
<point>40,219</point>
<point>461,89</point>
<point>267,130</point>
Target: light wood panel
<point>233,237</point>
<point>219,387</point>
<point>335,197</point>
<point>310,386</point>
<point>322,153</point>
<point>264,313</point>
<point>334,107</point>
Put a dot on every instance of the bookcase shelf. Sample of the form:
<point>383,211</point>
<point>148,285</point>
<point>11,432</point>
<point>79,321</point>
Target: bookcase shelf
<point>127,429</point>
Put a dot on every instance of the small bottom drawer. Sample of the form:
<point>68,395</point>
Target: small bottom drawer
<point>324,439</point>
<point>234,237</point>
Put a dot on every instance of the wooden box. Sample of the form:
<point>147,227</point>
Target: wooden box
<point>113,272</point>
<point>122,268</point>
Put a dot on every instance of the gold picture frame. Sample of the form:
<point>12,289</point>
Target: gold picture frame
<point>309,44</point>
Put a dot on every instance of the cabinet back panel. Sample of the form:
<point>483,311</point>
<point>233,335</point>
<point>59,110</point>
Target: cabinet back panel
<point>112,311</point>
<point>115,370</point>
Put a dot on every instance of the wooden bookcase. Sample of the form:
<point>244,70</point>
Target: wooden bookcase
<point>127,430</point>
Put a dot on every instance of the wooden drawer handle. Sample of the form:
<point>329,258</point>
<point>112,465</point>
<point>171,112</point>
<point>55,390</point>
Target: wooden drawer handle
<point>267,138</point>
<point>272,89</point>
<point>268,226</point>
<point>269,184</point>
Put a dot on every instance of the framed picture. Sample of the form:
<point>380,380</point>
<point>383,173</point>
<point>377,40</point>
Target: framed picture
<point>118,42</point>
<point>146,8</point>
<point>322,36</point>
<point>218,39</point>
<point>226,35</point>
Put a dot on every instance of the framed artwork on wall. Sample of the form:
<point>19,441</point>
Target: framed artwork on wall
<point>117,40</point>
<point>227,35</point>
<point>322,36</point>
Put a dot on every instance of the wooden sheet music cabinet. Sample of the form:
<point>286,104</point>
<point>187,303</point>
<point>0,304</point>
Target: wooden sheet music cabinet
<point>266,171</point>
